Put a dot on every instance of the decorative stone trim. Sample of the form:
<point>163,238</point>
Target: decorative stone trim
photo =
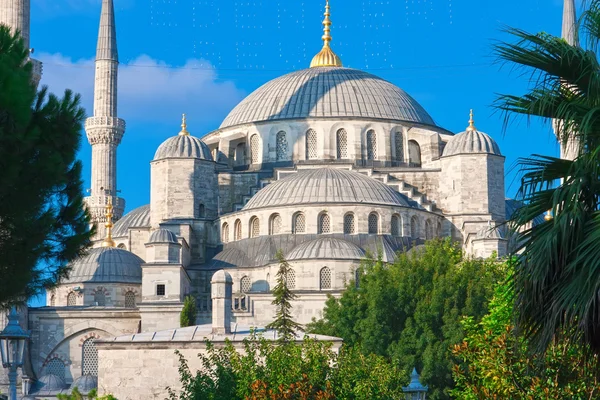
<point>101,289</point>
<point>56,356</point>
<point>128,289</point>
<point>91,335</point>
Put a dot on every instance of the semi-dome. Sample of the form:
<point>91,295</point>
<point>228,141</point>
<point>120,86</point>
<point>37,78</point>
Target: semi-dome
<point>471,141</point>
<point>106,265</point>
<point>328,92</point>
<point>137,218</point>
<point>326,248</point>
<point>326,185</point>
<point>163,236</point>
<point>50,382</point>
<point>221,276</point>
<point>183,145</point>
<point>85,384</point>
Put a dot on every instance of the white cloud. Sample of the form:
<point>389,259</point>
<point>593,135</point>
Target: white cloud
<point>149,90</point>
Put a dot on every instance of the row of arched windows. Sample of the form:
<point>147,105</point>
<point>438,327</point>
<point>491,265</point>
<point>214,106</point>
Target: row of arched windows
<point>99,299</point>
<point>325,280</point>
<point>324,226</point>
<point>341,141</point>
<point>89,361</point>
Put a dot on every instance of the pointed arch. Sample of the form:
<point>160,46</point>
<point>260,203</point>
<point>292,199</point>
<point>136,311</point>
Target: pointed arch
<point>255,149</point>
<point>371,145</point>
<point>281,145</point>
<point>341,141</point>
<point>311,145</point>
<point>414,153</point>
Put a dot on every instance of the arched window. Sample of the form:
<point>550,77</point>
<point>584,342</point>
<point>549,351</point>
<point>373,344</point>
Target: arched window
<point>414,228</point>
<point>201,211</point>
<point>100,299</point>
<point>373,223</point>
<point>414,153</point>
<point>311,144</point>
<point>71,299</point>
<point>428,230</point>
<point>52,300</point>
<point>290,279</point>
<point>324,223</point>
<point>396,231</point>
<point>237,230</point>
<point>122,246</point>
<point>130,300</point>
<point>254,227</point>
<point>371,145</point>
<point>341,141</point>
<point>55,367</point>
<point>438,231</point>
<point>255,149</point>
<point>399,146</point>
<point>275,225</point>
<point>281,146</point>
<point>299,223</point>
<point>349,224</point>
<point>89,359</point>
<point>240,154</point>
<point>245,284</point>
<point>325,278</point>
<point>225,233</point>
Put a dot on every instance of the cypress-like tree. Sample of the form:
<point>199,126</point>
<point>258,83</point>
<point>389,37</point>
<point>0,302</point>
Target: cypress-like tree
<point>43,224</point>
<point>283,323</point>
<point>188,312</point>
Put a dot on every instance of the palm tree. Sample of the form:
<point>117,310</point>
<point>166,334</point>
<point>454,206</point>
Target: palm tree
<point>557,281</point>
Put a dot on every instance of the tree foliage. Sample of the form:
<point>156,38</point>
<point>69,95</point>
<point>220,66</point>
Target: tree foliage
<point>188,312</point>
<point>494,363</point>
<point>43,225</point>
<point>557,281</point>
<point>309,370</point>
<point>76,395</point>
<point>410,311</point>
<point>283,323</point>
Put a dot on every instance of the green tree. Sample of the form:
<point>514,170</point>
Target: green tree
<point>188,312</point>
<point>43,225</point>
<point>76,395</point>
<point>283,323</point>
<point>494,363</point>
<point>410,311</point>
<point>557,281</point>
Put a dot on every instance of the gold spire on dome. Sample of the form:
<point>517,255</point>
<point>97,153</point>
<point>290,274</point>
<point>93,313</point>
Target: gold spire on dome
<point>108,241</point>
<point>548,217</point>
<point>184,131</point>
<point>326,57</point>
<point>471,127</point>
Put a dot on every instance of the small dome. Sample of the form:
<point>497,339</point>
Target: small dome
<point>85,384</point>
<point>50,383</point>
<point>163,236</point>
<point>106,265</point>
<point>137,218</point>
<point>221,276</point>
<point>489,232</point>
<point>326,248</point>
<point>469,142</point>
<point>327,185</point>
<point>183,146</point>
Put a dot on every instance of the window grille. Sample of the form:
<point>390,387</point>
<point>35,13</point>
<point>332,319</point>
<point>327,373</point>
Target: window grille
<point>161,290</point>
<point>237,230</point>
<point>282,146</point>
<point>414,153</point>
<point>240,154</point>
<point>254,227</point>
<point>245,284</point>
<point>324,223</point>
<point>299,223</point>
<point>225,233</point>
<point>396,226</point>
<point>399,146</point>
<point>311,144</point>
<point>100,299</point>
<point>201,211</point>
<point>428,230</point>
<point>72,299</point>
<point>342,144</point>
<point>325,278</point>
<point>52,301</point>
<point>130,299</point>
<point>89,361</point>
<point>414,230</point>
<point>349,224</point>
<point>290,279</point>
<point>276,224</point>
<point>56,367</point>
<point>255,149</point>
<point>373,223</point>
<point>371,145</point>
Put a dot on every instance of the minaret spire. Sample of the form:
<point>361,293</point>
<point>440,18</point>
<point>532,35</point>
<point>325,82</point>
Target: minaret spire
<point>105,130</point>
<point>326,57</point>
<point>569,24</point>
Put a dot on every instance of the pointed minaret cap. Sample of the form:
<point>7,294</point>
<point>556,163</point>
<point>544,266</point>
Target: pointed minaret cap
<point>184,131</point>
<point>471,127</point>
<point>326,57</point>
<point>108,241</point>
<point>107,36</point>
<point>415,384</point>
<point>569,23</point>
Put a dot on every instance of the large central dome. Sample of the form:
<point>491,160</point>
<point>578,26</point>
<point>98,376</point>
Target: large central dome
<point>327,93</point>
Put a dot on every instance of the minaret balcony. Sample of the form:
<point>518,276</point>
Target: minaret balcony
<point>108,130</point>
<point>36,71</point>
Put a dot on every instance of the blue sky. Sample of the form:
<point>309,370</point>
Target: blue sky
<point>201,57</point>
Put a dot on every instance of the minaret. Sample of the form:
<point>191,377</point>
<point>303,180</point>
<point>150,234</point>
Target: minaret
<point>105,130</point>
<point>16,15</point>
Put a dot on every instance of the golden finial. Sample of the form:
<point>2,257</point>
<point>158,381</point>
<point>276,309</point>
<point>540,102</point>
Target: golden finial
<point>326,57</point>
<point>471,127</point>
<point>548,217</point>
<point>108,241</point>
<point>184,131</point>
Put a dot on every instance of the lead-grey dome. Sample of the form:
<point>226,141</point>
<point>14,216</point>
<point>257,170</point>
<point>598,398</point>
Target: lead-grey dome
<point>137,218</point>
<point>163,236</point>
<point>326,185</point>
<point>107,265</point>
<point>85,384</point>
<point>50,382</point>
<point>489,232</point>
<point>328,93</point>
<point>183,146</point>
<point>326,248</point>
<point>469,142</point>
